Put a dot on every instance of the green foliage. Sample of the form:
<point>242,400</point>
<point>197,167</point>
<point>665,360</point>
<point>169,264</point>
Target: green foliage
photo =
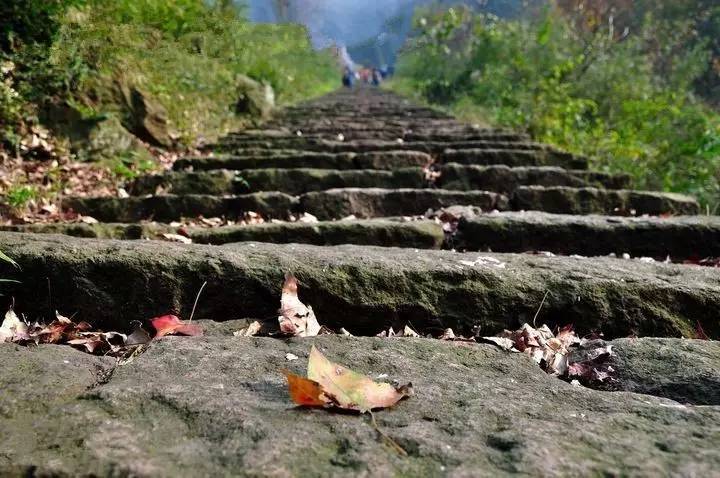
<point>600,96</point>
<point>19,196</point>
<point>187,54</point>
<point>10,103</point>
<point>130,165</point>
<point>5,258</point>
<point>27,22</point>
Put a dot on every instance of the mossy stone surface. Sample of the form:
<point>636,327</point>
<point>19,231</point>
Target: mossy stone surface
<point>219,406</point>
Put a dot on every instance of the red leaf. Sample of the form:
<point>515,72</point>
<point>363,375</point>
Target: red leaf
<point>304,392</point>
<point>700,332</point>
<point>170,324</point>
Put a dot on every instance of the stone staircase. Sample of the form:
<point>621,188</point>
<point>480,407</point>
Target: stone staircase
<point>356,189</point>
<point>395,167</point>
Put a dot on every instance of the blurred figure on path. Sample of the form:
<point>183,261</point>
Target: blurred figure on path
<point>376,77</point>
<point>348,78</point>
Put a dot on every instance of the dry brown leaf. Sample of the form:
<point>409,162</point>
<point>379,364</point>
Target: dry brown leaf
<point>13,328</point>
<point>550,351</point>
<point>296,318</point>
<point>250,331</point>
<point>332,385</point>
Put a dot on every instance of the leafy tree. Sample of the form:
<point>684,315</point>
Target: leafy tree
<point>30,21</point>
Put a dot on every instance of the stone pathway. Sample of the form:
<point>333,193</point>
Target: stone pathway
<point>420,186</point>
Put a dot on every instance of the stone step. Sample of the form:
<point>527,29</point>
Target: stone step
<point>371,112</point>
<point>301,180</point>
<point>353,123</point>
<point>326,205</point>
<point>566,200</point>
<point>380,133</point>
<point>287,159</point>
<point>513,157</point>
<point>171,207</point>
<point>291,181</point>
<point>677,237</point>
<point>377,202</point>
<point>380,159</point>
<point>373,232</point>
<point>390,232</point>
<point>506,179</point>
<point>465,148</point>
<point>204,406</point>
<point>364,289</point>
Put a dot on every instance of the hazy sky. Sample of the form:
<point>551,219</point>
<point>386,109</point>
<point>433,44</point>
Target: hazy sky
<point>344,21</point>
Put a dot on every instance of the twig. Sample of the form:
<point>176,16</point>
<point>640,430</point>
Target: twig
<point>540,308</point>
<point>388,440</point>
<point>197,298</point>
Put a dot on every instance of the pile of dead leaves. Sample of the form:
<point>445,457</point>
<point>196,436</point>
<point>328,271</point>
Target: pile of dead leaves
<point>63,331</point>
<point>563,354</point>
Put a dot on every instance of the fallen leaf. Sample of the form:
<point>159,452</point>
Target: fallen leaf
<point>504,343</point>
<point>12,327</point>
<point>485,261</point>
<point>250,331</point>
<point>296,318</point>
<point>408,332</point>
<point>171,324</point>
<point>349,390</point>
<point>448,335</point>
<point>700,332</point>
<point>177,238</point>
<point>551,352</point>
<point>89,343</point>
<point>305,392</point>
<point>138,336</point>
<point>591,362</point>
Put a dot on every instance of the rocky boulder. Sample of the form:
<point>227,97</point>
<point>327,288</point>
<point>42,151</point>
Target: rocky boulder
<point>146,117</point>
<point>254,98</point>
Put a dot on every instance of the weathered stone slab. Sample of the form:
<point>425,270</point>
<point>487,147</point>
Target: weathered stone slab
<point>687,371</point>
<point>290,181</point>
<point>566,200</point>
<point>218,406</point>
<point>376,202</point>
<point>374,232</point>
<point>288,159</point>
<point>677,237</point>
<point>351,132</point>
<point>364,289</point>
<point>170,207</point>
<point>431,147</point>
<point>503,179</point>
<point>604,180</point>
<point>93,231</point>
<point>512,156</point>
<point>284,159</point>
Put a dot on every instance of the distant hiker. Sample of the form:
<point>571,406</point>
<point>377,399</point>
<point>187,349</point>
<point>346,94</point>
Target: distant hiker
<point>376,77</point>
<point>348,78</point>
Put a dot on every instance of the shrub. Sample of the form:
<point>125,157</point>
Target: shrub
<point>601,97</point>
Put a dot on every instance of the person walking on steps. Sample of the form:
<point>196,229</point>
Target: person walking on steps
<point>348,78</point>
<point>376,77</point>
